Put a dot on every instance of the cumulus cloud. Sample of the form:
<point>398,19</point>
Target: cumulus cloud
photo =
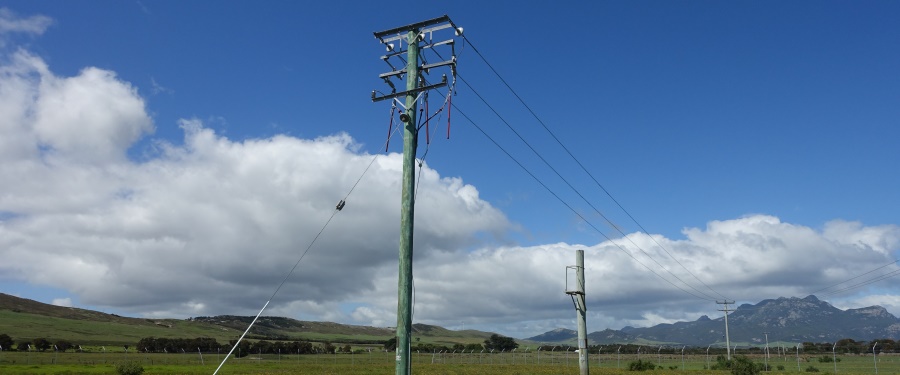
<point>211,225</point>
<point>208,226</point>
<point>520,290</point>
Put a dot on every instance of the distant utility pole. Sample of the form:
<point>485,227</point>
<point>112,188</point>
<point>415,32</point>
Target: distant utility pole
<point>727,340</point>
<point>577,295</point>
<point>414,34</point>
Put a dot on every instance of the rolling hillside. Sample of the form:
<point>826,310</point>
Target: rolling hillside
<point>25,319</point>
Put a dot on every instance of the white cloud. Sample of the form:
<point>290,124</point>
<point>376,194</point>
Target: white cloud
<point>212,225</point>
<point>92,117</point>
<point>10,22</point>
<point>156,88</point>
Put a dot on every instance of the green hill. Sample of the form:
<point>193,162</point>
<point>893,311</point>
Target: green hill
<point>25,319</point>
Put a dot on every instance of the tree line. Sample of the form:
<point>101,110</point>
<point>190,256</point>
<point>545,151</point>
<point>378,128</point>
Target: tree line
<point>496,343</point>
<point>39,344</point>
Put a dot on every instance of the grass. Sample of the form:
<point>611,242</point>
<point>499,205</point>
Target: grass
<point>382,363</point>
<point>24,326</point>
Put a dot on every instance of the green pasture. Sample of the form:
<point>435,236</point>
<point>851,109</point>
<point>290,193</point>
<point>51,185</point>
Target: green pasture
<point>377,362</point>
<point>25,326</point>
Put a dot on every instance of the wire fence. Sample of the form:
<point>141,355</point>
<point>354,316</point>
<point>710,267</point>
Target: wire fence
<point>884,363</point>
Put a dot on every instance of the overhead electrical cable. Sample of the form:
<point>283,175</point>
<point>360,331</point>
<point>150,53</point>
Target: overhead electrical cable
<point>580,165</point>
<point>611,224</point>
<point>577,192</point>
<point>588,222</point>
<point>864,283</point>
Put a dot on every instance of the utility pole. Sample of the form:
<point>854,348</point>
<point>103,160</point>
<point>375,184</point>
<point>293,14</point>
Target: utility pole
<point>727,341</point>
<point>414,34</point>
<point>577,295</point>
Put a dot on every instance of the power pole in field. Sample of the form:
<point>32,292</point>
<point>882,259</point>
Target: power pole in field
<point>577,294</point>
<point>415,86</point>
<point>727,341</point>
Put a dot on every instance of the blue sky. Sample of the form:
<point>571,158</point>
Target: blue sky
<point>771,118</point>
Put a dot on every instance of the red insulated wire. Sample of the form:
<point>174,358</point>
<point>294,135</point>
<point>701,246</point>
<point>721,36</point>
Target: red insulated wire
<point>390,129</point>
<point>449,105</point>
<point>427,132</point>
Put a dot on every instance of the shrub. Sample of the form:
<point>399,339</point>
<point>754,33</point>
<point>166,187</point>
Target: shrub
<point>812,369</point>
<point>641,365</point>
<point>129,368</point>
<point>780,367</point>
<point>744,366</point>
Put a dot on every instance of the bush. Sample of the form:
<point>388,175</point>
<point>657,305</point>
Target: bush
<point>828,359</point>
<point>812,369</point>
<point>641,365</point>
<point>780,367</point>
<point>129,368</point>
<point>744,366</point>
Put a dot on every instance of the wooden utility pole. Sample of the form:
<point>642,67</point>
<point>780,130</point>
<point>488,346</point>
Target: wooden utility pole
<point>414,34</point>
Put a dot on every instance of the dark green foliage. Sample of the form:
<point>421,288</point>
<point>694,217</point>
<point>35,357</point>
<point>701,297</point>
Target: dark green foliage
<point>780,367</point>
<point>739,365</point>
<point>6,342</point>
<point>129,368</point>
<point>742,365</point>
<point>473,348</point>
<point>500,343</point>
<point>812,369</point>
<point>242,350</point>
<point>40,344</point>
<point>261,347</point>
<point>641,365</point>
<point>828,359</point>
<point>153,344</point>
<point>721,363</point>
<point>63,345</point>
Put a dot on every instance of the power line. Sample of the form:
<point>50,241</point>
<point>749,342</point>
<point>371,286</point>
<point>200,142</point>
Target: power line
<point>856,277</point>
<point>588,222</point>
<point>577,192</point>
<point>867,282</point>
<point>555,171</point>
<point>583,168</point>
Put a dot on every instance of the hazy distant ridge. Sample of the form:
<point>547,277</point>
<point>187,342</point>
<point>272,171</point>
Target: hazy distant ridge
<point>786,319</point>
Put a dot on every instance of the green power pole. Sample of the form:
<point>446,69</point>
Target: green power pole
<point>407,207</point>
<point>415,33</point>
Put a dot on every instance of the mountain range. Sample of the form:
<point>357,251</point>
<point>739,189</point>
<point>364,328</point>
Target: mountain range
<point>787,320</point>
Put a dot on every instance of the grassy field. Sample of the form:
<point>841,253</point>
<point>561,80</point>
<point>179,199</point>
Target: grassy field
<point>25,326</point>
<point>25,320</point>
<point>423,363</point>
